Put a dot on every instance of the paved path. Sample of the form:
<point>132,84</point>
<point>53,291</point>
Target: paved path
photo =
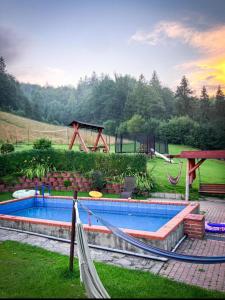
<point>207,276</point>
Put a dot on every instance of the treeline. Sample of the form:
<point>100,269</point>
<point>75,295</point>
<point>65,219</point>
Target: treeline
<point>124,104</point>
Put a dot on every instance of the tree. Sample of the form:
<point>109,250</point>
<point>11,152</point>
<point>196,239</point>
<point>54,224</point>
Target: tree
<point>220,104</point>
<point>184,100</point>
<point>155,80</point>
<point>110,127</point>
<point>136,124</point>
<point>2,65</point>
<point>204,107</point>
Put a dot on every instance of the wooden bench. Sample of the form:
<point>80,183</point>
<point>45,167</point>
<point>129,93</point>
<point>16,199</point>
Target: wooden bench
<point>212,188</point>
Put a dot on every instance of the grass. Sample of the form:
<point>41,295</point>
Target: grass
<point>31,272</point>
<point>211,171</point>
<point>19,130</point>
<point>8,195</point>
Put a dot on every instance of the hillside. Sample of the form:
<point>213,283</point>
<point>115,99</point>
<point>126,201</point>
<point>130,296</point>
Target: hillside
<point>16,129</point>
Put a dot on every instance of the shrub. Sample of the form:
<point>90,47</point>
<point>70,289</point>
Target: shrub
<point>67,183</point>
<point>109,164</point>
<point>98,182</point>
<point>37,167</point>
<point>178,130</point>
<point>42,144</point>
<point>7,148</point>
<point>144,183</point>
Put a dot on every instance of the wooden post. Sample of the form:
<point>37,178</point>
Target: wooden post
<point>67,135</point>
<point>73,231</point>
<point>187,182</point>
<point>28,136</point>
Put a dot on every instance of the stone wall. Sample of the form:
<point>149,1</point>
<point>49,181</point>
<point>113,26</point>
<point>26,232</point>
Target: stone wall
<point>57,182</point>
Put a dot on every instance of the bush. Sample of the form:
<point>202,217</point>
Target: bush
<point>98,182</point>
<point>37,167</point>
<point>42,144</point>
<point>67,183</point>
<point>109,164</point>
<point>179,130</point>
<point>7,148</point>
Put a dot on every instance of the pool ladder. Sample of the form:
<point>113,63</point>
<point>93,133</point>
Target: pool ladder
<point>43,187</point>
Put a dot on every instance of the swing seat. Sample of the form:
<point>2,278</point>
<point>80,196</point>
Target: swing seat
<point>212,188</point>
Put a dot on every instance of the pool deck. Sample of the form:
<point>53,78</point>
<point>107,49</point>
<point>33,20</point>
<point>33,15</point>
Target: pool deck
<point>206,276</point>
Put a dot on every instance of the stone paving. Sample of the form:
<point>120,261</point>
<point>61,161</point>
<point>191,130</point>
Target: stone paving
<point>207,276</point>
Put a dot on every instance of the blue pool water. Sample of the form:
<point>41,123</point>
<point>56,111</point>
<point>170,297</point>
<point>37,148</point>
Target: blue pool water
<point>138,216</point>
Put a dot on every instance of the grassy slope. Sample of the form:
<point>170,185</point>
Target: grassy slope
<point>18,129</point>
<point>27,271</point>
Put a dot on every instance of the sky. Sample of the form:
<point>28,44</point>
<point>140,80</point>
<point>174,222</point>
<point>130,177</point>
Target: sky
<point>57,42</point>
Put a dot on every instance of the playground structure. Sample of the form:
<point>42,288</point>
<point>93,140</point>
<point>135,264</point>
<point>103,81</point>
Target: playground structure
<point>194,160</point>
<point>77,125</point>
<point>140,143</point>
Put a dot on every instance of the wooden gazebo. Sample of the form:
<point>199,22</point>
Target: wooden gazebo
<point>78,125</point>
<point>193,165</point>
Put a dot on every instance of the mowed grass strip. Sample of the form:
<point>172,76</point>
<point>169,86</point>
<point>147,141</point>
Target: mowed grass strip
<point>8,195</point>
<point>31,272</point>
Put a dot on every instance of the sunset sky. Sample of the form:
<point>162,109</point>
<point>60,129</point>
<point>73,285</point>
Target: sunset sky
<point>57,42</point>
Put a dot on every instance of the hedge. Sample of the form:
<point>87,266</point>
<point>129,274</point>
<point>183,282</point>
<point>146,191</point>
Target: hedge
<point>108,164</point>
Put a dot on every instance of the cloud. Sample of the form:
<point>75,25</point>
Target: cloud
<point>209,70</point>
<point>12,45</point>
<point>210,41</point>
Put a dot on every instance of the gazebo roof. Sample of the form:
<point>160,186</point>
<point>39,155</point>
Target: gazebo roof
<point>86,125</point>
<point>211,154</point>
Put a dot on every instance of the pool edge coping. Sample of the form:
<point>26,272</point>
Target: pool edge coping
<point>161,234</point>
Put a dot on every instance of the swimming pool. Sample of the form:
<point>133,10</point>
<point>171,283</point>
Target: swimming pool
<point>158,222</point>
<point>121,214</point>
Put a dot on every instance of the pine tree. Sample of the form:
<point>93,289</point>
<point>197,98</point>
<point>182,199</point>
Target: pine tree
<point>2,65</point>
<point>184,103</point>
<point>204,105</point>
<point>220,104</point>
<point>155,80</point>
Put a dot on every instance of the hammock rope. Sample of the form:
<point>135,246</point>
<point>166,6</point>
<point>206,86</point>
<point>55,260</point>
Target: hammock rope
<point>149,248</point>
<point>88,273</point>
<point>174,180</point>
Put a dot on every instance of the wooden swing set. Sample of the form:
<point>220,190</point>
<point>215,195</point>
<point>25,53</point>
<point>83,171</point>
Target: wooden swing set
<point>194,160</point>
<point>78,125</point>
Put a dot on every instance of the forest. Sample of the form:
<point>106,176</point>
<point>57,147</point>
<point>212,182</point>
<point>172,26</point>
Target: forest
<point>123,104</point>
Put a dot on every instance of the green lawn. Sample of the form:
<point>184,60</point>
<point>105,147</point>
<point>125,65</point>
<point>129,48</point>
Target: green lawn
<point>31,272</point>
<point>211,171</point>
<point>8,195</point>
